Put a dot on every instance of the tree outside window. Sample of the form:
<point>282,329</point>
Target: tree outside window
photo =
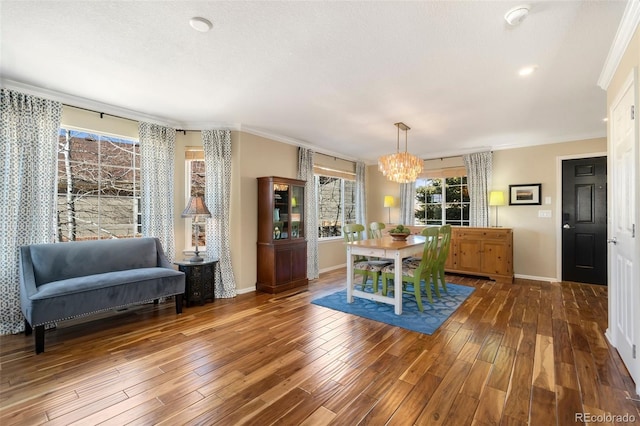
<point>336,204</point>
<point>441,201</point>
<point>98,186</point>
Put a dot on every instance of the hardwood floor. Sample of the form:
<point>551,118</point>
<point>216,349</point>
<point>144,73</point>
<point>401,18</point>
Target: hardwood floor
<point>513,354</point>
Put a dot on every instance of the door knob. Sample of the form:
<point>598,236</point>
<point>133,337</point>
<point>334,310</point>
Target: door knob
<point>613,240</point>
<point>566,226</point>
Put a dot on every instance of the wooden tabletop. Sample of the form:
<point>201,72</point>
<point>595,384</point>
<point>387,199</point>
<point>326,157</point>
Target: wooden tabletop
<point>387,242</point>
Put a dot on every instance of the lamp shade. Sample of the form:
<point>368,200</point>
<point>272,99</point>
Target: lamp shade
<point>389,201</point>
<point>196,207</point>
<point>496,198</point>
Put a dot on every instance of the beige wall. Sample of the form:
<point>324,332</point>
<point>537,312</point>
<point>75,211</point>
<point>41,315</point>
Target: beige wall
<point>535,240</point>
<point>377,186</point>
<point>253,156</point>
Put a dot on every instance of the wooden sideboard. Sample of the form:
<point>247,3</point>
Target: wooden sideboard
<point>482,251</point>
<point>486,252</point>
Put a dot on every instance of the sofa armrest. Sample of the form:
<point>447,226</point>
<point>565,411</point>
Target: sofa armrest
<point>28,285</point>
<point>163,262</point>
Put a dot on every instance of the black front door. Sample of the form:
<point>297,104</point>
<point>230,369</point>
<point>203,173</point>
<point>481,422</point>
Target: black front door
<point>584,220</point>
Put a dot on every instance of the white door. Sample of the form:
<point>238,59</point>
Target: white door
<point>624,280</point>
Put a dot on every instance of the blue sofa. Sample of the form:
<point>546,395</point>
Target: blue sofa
<point>66,280</point>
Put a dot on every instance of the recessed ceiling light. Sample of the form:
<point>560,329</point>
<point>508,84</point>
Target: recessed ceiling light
<point>200,24</point>
<point>516,15</point>
<point>527,70</point>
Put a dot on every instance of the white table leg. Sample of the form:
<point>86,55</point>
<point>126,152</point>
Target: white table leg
<point>349,275</point>
<point>398,283</point>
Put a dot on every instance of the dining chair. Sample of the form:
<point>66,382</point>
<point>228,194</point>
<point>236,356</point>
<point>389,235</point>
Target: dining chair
<point>444,243</point>
<point>361,264</point>
<point>414,272</point>
<point>375,229</point>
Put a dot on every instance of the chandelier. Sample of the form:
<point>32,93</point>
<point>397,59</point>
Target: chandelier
<point>401,167</point>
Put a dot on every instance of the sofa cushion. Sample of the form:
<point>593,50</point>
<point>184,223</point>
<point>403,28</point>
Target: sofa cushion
<point>98,293</point>
<point>61,261</point>
<point>109,279</point>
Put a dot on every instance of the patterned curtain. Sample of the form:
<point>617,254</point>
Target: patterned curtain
<point>305,172</point>
<point>217,159</point>
<point>479,171</point>
<point>407,198</point>
<point>157,148</point>
<point>361,199</point>
<point>29,135</point>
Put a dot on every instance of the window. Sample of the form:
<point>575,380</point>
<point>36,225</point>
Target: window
<point>98,186</point>
<point>441,201</point>
<point>195,187</point>
<point>336,204</point>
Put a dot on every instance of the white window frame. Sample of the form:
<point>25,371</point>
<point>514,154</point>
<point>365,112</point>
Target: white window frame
<point>443,203</point>
<point>136,197</point>
<point>343,221</point>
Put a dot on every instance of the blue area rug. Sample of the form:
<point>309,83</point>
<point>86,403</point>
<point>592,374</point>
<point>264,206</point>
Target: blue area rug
<point>412,319</point>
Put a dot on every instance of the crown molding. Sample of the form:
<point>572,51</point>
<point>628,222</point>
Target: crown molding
<point>626,29</point>
<point>80,102</point>
<point>292,141</point>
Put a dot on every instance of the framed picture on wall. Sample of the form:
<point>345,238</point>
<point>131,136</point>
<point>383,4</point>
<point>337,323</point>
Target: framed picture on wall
<point>525,194</point>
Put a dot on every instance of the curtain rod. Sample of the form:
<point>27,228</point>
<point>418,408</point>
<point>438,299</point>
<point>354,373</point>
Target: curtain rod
<point>454,156</point>
<point>102,114</point>
<point>329,169</point>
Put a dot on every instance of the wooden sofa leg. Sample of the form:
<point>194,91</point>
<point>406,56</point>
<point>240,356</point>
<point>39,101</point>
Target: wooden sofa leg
<point>27,328</point>
<point>39,339</point>
<point>178,298</point>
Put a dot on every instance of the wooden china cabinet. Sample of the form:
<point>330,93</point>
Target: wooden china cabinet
<point>282,245</point>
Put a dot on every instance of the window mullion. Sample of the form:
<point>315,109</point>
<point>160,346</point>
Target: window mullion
<point>444,201</point>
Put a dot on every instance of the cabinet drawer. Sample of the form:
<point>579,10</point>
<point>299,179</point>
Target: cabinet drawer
<point>478,234</point>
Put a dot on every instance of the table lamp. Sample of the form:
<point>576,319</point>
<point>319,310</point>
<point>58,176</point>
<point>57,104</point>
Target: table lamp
<point>496,198</point>
<point>196,208</point>
<point>389,202</point>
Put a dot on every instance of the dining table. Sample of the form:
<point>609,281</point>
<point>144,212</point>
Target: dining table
<point>384,248</point>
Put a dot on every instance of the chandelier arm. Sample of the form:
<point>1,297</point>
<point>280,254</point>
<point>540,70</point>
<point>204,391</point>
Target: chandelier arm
<point>398,140</point>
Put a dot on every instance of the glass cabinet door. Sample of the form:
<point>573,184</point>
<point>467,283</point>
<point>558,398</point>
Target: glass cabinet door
<point>280,211</point>
<point>297,212</point>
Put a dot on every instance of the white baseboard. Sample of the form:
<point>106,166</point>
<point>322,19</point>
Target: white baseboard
<point>333,268</point>
<point>246,290</point>
<point>534,278</point>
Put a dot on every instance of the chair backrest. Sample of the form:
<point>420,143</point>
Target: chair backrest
<point>375,229</point>
<point>352,232</point>
<point>445,243</point>
<point>430,251</point>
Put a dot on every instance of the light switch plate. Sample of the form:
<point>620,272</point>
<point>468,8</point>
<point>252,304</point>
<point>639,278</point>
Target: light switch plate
<point>544,213</point>
<point>547,200</point>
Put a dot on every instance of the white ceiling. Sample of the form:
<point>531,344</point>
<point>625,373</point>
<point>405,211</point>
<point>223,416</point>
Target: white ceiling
<point>333,75</point>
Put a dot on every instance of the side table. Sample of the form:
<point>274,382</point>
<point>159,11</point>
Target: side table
<point>199,280</point>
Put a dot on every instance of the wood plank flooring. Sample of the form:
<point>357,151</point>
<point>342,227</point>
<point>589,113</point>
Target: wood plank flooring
<point>514,354</point>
